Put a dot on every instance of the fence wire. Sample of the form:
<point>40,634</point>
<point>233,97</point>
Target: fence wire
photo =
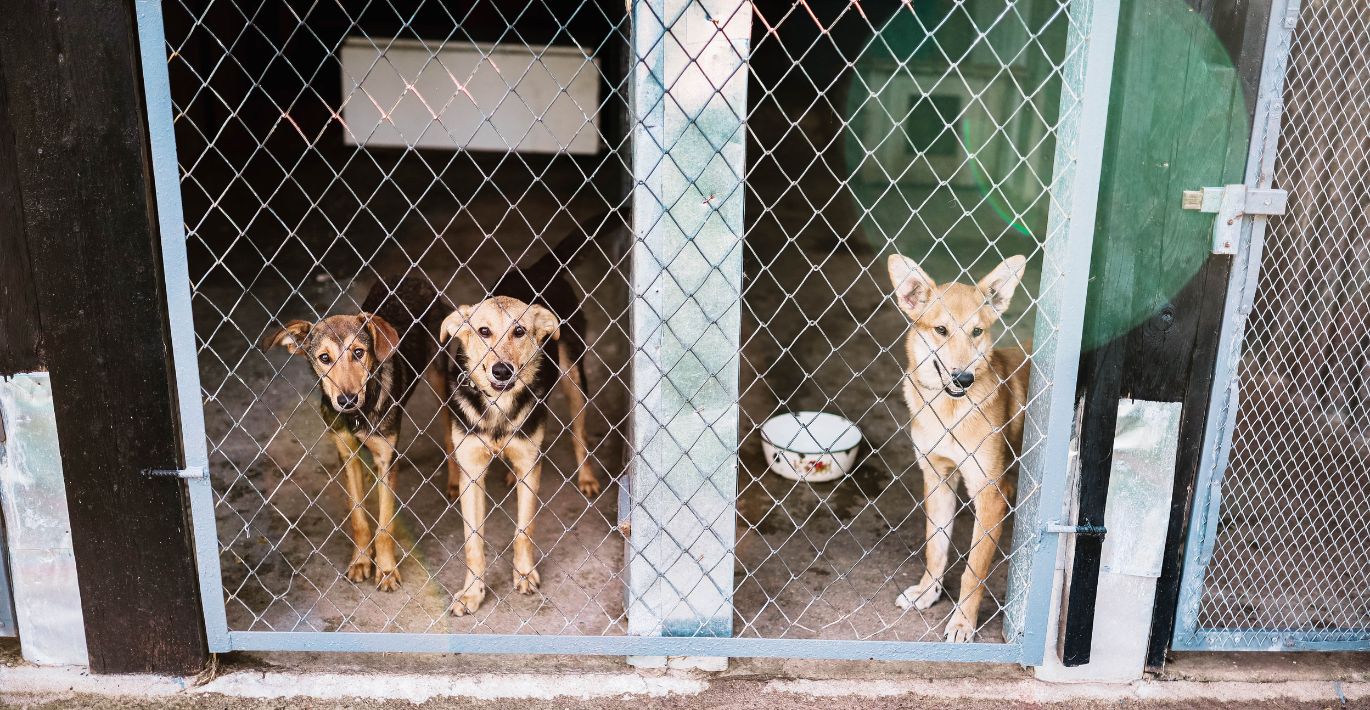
<point>330,151</point>
<point>1290,553</point>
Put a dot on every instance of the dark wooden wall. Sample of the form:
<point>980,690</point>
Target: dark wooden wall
<point>79,251</point>
<point>1176,123</point>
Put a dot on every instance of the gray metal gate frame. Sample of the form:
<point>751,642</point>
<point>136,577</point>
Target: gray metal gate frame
<point>1222,412</point>
<point>662,225</point>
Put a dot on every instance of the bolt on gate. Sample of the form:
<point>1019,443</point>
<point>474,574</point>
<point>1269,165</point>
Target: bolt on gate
<point>1275,557</point>
<point>721,183</point>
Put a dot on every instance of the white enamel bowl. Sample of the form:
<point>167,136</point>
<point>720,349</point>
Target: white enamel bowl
<point>813,447</point>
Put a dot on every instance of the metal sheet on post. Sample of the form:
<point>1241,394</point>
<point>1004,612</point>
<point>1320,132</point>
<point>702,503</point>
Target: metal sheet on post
<point>33,498</point>
<point>689,99</point>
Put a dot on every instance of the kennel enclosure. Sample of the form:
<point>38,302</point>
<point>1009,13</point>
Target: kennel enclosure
<point>283,208</point>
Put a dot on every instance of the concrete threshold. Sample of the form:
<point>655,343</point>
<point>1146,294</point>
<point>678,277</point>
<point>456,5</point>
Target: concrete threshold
<point>460,684</point>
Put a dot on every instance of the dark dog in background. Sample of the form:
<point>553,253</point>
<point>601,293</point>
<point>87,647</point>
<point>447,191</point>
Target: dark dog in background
<point>507,353</point>
<point>368,365</point>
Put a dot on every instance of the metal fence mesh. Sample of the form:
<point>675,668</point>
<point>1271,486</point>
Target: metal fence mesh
<point>1290,553</point>
<point>328,148</point>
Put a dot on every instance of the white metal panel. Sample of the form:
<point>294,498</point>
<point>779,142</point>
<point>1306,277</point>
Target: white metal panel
<point>413,94</point>
<point>47,602</point>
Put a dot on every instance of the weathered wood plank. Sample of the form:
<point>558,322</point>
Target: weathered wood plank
<point>21,342</point>
<point>78,122</point>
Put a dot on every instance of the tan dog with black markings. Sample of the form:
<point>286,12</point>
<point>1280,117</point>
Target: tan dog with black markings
<point>505,356</point>
<point>966,399</point>
<point>505,360</point>
<point>367,371</point>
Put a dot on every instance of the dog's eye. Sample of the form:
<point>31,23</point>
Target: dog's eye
<point>519,331</point>
<point>977,332</point>
<point>324,358</point>
<point>358,353</point>
<point>941,330</point>
<point>484,332</point>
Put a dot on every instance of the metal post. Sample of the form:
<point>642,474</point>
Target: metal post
<point>689,100</point>
<point>176,270</point>
<point>1085,84</point>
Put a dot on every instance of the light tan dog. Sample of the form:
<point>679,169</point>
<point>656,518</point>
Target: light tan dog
<point>505,358</point>
<point>966,401</point>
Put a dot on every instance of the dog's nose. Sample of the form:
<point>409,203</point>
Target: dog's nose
<point>963,379</point>
<point>502,372</point>
<point>347,401</point>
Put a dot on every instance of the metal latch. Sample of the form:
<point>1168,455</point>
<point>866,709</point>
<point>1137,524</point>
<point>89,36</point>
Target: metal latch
<point>186,473</point>
<point>1057,528</point>
<point>1230,203</point>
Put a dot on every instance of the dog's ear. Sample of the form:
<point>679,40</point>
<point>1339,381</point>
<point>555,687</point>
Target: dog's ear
<point>998,287</point>
<point>545,323</point>
<point>912,285</point>
<point>292,336</point>
<point>454,322</point>
<point>384,340</point>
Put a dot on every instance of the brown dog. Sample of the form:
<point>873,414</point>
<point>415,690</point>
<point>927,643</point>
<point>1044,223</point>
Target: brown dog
<point>367,370</point>
<point>966,401</point>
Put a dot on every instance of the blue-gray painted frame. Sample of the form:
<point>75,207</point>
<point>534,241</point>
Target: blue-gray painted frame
<point>171,225</point>
<point>1222,411</point>
<point>1079,152</point>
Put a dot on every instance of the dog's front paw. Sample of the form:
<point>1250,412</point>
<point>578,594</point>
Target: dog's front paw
<point>360,568</point>
<point>527,582</point>
<point>588,484</point>
<point>920,596</point>
<point>469,600</point>
<point>388,580</point>
<point>960,629</point>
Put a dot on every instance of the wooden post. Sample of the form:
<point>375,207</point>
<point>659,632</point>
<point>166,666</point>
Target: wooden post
<point>74,118</point>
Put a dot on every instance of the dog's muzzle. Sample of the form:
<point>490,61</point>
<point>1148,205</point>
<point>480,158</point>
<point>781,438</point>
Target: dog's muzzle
<point>961,380</point>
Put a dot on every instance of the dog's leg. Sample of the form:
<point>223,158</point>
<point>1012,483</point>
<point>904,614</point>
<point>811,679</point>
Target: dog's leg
<point>991,506</point>
<point>473,459</point>
<point>574,387</point>
<point>349,449</point>
<point>382,450</point>
<point>437,379</point>
<point>939,488</point>
<point>525,457</point>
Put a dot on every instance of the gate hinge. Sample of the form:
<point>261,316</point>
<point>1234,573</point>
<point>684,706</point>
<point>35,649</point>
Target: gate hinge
<point>186,473</point>
<point>1230,203</point>
<point>1057,528</point>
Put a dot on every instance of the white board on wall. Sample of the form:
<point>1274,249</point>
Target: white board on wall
<point>466,96</point>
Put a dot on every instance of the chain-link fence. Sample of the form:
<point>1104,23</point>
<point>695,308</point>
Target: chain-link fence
<point>1289,565</point>
<point>695,210</point>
